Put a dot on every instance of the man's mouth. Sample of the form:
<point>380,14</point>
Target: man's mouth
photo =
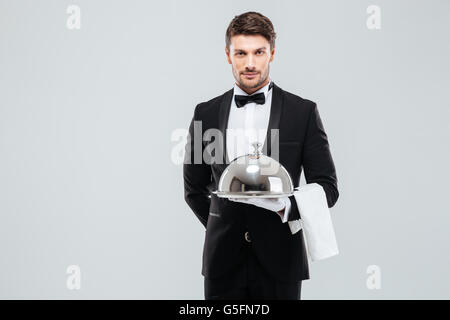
<point>250,75</point>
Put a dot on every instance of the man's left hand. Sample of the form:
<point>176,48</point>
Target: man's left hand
<point>273,204</point>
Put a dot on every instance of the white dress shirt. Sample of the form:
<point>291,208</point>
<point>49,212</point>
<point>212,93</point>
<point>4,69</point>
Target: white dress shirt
<point>249,124</point>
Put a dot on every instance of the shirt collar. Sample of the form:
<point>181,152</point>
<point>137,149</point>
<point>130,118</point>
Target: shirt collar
<point>265,89</point>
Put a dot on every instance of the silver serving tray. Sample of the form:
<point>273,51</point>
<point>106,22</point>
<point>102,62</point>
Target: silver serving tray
<point>253,194</point>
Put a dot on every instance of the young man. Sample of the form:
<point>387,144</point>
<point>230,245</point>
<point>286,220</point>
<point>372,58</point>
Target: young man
<point>250,251</point>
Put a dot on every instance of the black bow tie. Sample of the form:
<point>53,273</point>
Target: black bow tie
<point>258,98</point>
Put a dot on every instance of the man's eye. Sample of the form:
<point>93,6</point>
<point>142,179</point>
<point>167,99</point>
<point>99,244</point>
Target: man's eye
<point>260,52</point>
<point>240,53</point>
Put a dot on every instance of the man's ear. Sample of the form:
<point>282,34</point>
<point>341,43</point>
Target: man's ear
<point>227,52</point>
<point>272,54</point>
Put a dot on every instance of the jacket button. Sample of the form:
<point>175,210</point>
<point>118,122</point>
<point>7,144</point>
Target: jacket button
<point>247,237</point>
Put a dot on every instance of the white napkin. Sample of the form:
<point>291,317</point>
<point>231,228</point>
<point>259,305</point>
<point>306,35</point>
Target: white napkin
<point>316,221</point>
<point>295,225</point>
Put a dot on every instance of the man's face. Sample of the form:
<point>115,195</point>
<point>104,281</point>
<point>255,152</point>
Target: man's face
<point>250,56</point>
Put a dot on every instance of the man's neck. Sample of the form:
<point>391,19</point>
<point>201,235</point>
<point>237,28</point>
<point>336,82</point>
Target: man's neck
<point>252,90</point>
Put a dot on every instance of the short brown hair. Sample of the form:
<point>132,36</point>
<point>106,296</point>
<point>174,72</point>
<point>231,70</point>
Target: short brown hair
<point>249,23</point>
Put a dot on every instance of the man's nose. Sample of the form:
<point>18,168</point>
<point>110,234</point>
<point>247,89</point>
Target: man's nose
<point>250,62</point>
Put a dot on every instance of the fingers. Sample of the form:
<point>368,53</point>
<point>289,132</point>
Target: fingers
<point>238,199</point>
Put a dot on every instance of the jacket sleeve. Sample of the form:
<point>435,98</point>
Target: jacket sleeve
<point>196,174</point>
<point>317,162</point>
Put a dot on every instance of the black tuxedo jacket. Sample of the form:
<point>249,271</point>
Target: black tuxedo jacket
<point>303,144</point>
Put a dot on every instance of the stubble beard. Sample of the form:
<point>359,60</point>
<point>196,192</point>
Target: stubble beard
<point>262,79</point>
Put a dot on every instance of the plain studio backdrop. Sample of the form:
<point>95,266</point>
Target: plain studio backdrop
<point>87,176</point>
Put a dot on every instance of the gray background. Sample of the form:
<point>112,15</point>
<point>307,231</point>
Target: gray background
<point>86,118</point>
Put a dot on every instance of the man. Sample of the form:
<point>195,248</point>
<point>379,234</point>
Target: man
<point>250,252</point>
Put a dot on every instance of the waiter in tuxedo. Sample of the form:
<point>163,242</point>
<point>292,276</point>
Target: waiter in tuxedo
<point>252,248</point>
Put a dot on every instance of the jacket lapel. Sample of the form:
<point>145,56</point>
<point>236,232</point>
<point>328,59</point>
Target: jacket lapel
<point>224,112</point>
<point>274,119</point>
